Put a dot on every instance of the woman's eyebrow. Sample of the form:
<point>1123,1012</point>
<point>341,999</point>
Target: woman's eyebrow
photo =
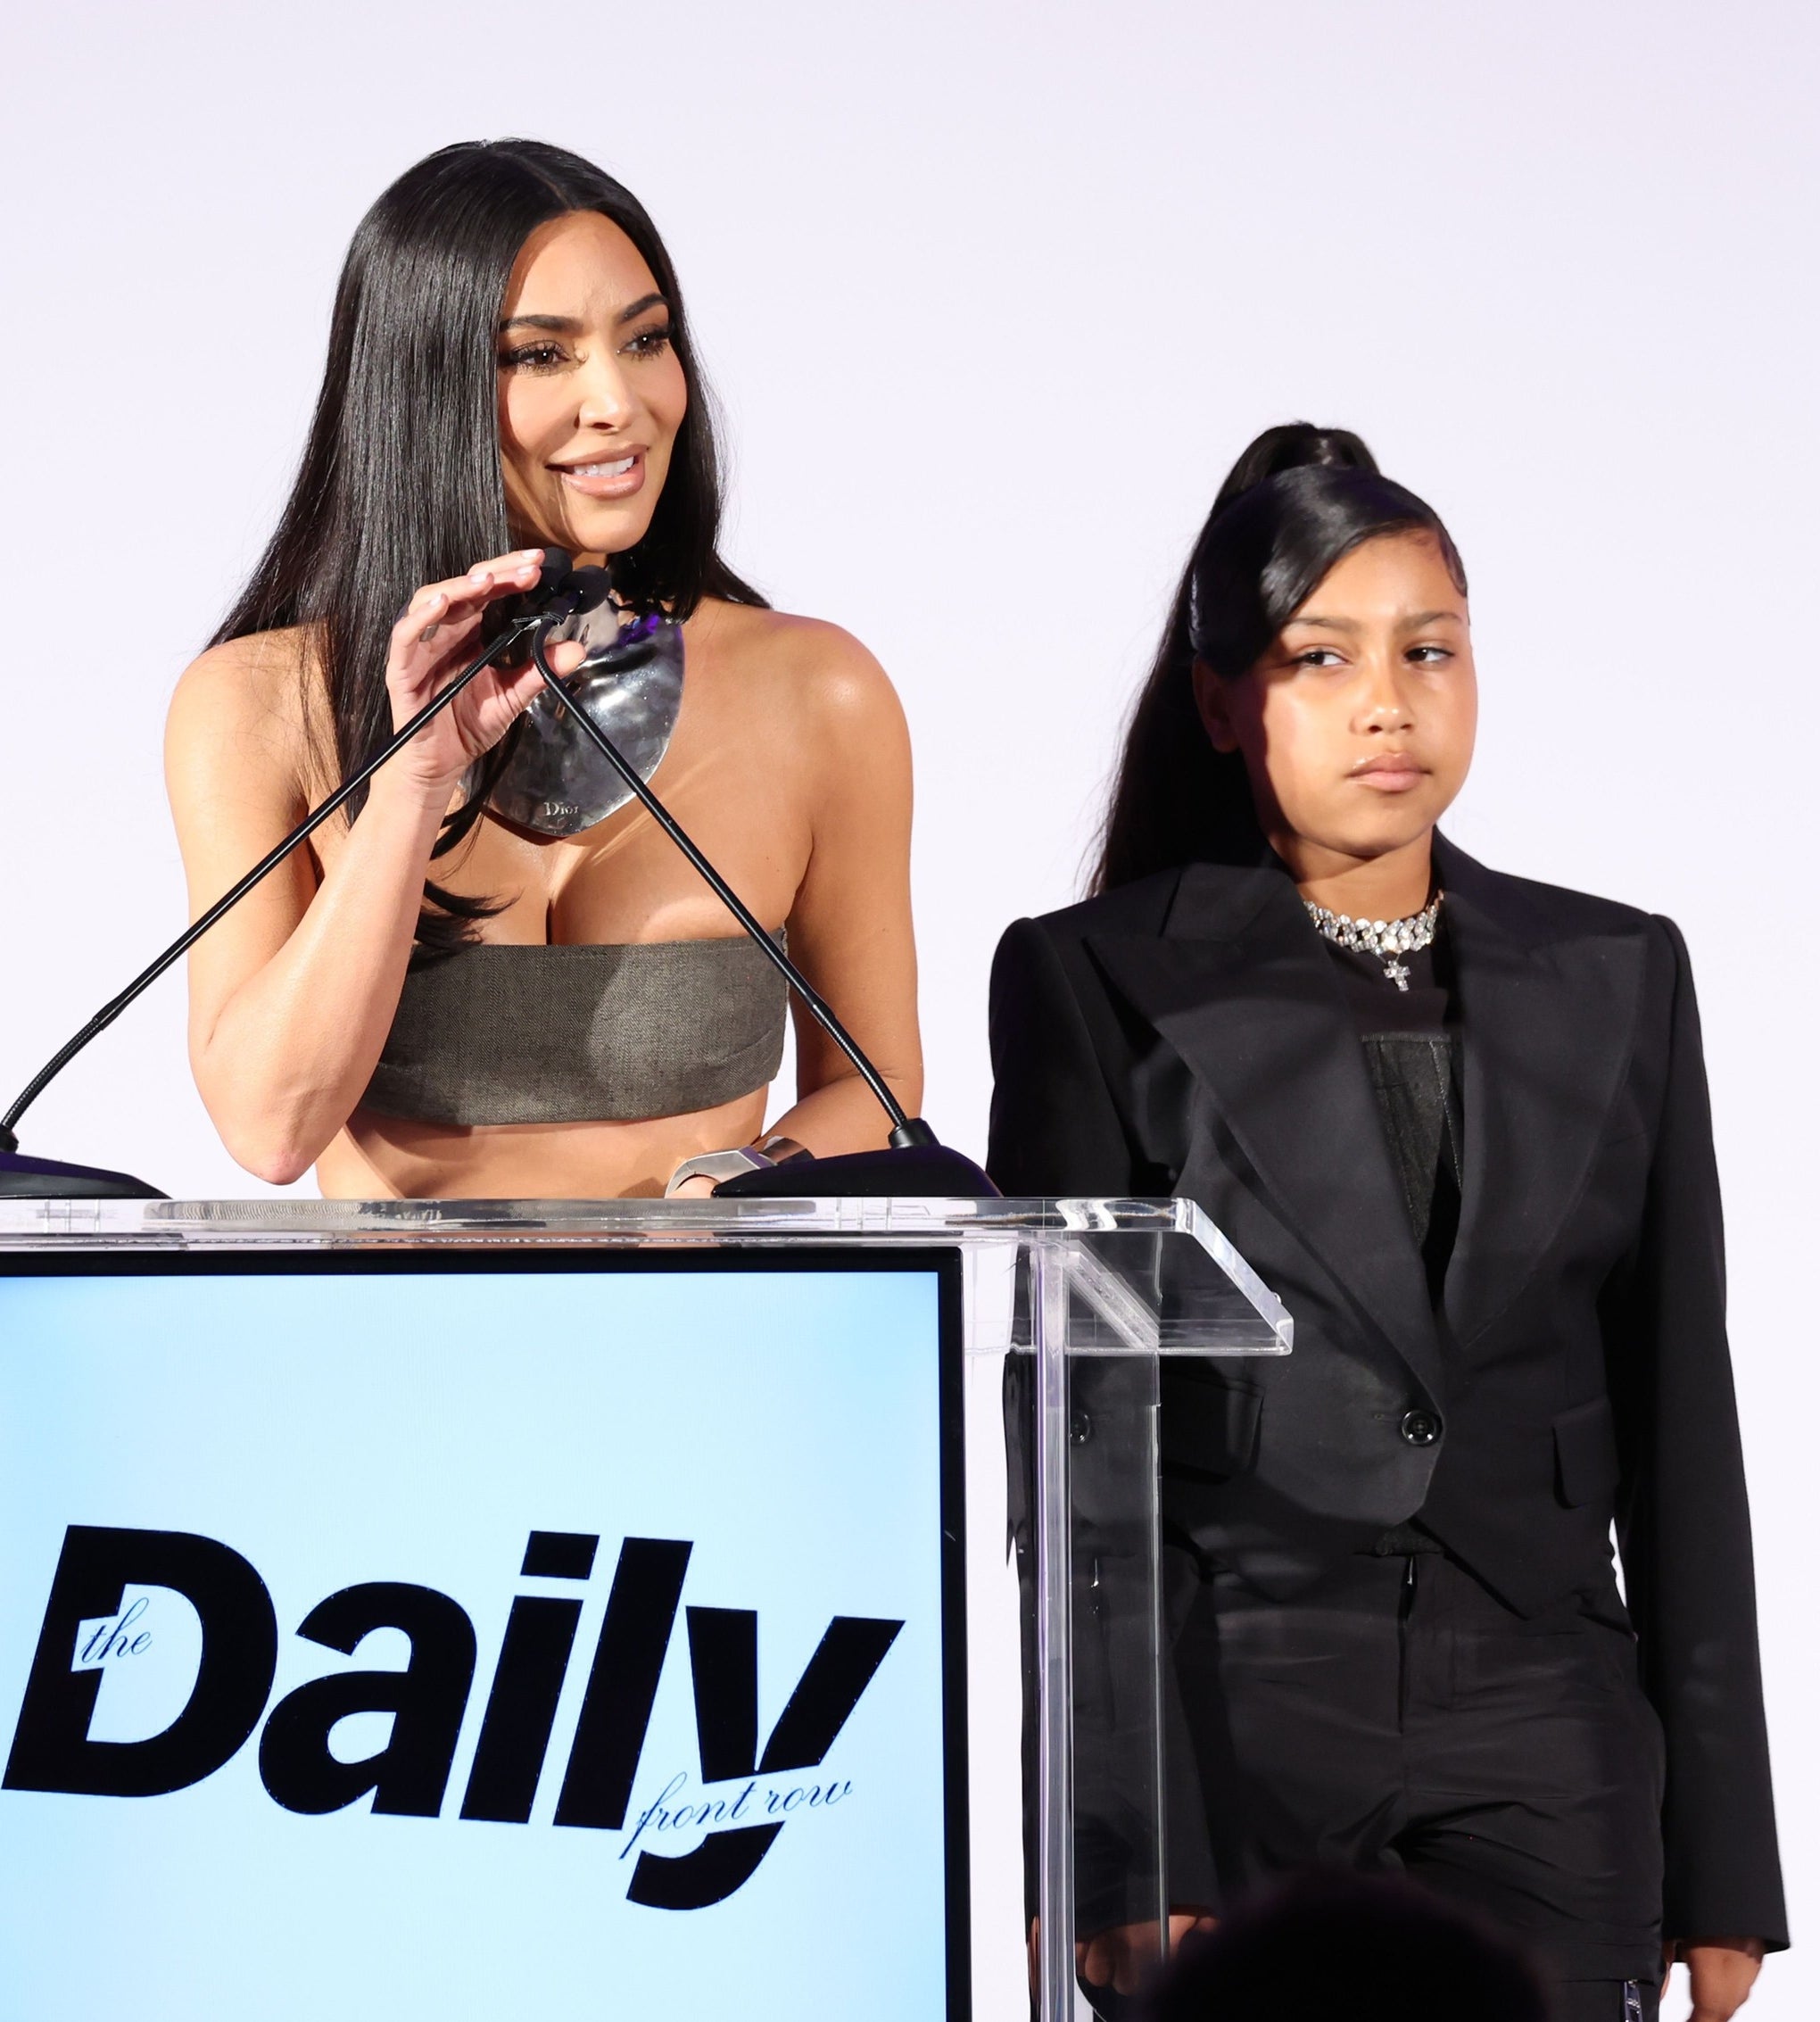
<point>568,325</point>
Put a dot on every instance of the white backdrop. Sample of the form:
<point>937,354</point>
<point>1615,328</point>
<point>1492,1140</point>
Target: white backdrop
<point>993,293</point>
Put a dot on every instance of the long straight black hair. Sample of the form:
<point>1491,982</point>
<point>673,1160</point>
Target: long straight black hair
<point>400,482</point>
<point>1294,504</point>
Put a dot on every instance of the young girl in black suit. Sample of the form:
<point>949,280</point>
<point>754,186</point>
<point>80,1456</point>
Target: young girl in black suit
<point>1458,1121</point>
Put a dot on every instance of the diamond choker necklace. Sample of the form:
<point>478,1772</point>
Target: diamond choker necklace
<point>1385,938</point>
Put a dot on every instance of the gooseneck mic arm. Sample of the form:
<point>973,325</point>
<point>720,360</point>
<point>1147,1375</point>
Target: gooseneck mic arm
<point>906,1131</point>
<point>513,637</point>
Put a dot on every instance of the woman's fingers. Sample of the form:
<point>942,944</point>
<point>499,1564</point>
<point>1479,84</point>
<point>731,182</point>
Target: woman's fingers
<point>521,688</point>
<point>505,576</point>
<point>426,636</point>
<point>463,597</point>
<point>494,703</point>
<point>431,627</point>
<point>501,576</point>
<point>440,623</point>
<point>522,685</point>
<point>440,630</point>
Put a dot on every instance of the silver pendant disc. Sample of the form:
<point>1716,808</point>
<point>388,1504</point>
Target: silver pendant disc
<point>631,685</point>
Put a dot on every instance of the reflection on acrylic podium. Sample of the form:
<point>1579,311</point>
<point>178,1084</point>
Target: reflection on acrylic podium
<point>603,1609</point>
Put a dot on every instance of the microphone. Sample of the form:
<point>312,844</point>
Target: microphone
<point>915,1161</point>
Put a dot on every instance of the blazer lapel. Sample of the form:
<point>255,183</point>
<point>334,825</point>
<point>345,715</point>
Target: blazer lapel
<point>1239,985</point>
<point>1548,1018</point>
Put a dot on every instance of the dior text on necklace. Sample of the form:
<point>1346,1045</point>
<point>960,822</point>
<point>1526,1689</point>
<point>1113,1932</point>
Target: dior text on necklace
<point>1385,938</point>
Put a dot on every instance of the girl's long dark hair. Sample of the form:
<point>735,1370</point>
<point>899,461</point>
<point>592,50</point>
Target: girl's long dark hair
<point>400,481</point>
<point>1294,504</point>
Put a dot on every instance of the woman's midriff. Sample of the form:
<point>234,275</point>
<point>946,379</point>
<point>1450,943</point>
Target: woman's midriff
<point>378,1158</point>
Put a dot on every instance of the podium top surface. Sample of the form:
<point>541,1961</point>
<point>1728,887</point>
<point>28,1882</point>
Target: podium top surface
<point>1148,1276</point>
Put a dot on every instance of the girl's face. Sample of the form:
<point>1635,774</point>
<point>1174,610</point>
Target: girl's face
<point>591,390</point>
<point>1357,726</point>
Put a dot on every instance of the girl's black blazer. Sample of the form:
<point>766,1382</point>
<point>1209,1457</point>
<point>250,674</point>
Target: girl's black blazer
<point>1188,1035</point>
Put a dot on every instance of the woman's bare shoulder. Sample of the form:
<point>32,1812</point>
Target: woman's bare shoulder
<point>819,671</point>
<point>243,701</point>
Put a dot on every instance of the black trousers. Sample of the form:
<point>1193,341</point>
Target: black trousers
<point>1398,1717</point>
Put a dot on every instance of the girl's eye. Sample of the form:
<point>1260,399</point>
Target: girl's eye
<point>648,344</point>
<point>1317,656</point>
<point>1428,656</point>
<point>532,358</point>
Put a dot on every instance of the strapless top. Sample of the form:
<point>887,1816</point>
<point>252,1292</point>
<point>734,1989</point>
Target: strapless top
<point>584,1033</point>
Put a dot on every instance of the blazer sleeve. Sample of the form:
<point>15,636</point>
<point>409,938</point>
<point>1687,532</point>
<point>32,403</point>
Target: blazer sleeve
<point>1684,1521</point>
<point>1054,1127</point>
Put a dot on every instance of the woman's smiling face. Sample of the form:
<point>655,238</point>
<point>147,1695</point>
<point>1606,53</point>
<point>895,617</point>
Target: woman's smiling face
<point>591,392</point>
<point>1357,725</point>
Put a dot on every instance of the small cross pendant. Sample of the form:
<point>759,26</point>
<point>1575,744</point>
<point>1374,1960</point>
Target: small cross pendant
<point>1396,971</point>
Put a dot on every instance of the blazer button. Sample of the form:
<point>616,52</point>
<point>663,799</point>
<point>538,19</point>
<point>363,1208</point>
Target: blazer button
<point>1420,1427</point>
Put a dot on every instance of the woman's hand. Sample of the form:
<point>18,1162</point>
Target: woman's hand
<point>1720,1974</point>
<point>439,634</point>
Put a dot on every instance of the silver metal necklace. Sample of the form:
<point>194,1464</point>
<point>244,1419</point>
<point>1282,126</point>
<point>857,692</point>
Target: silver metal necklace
<point>1385,938</point>
<point>556,783</point>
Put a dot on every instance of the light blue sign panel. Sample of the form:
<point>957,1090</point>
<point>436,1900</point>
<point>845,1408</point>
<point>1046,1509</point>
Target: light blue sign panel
<point>770,1444</point>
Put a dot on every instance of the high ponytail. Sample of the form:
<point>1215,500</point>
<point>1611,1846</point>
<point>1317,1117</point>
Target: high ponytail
<point>1294,445</point>
<point>1297,502</point>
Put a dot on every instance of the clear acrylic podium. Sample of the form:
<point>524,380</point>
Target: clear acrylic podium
<point>1067,1308</point>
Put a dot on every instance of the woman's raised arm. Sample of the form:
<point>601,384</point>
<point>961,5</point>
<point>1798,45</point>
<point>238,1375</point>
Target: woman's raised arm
<point>293,994</point>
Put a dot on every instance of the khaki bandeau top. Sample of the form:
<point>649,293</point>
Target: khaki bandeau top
<point>588,1034</point>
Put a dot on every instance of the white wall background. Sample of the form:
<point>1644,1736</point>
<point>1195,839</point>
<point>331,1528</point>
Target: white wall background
<point>993,293</point>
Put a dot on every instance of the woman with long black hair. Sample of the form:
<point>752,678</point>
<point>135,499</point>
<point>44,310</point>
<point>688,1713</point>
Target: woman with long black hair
<point>1458,1121</point>
<point>490,981</point>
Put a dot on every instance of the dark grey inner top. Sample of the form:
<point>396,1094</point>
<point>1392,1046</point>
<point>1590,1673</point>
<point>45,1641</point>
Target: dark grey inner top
<point>1410,1039</point>
<point>577,1035</point>
<point>1411,1042</point>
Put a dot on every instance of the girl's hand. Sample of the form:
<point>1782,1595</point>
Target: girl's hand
<point>1123,1958</point>
<point>437,637</point>
<point>1720,1974</point>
